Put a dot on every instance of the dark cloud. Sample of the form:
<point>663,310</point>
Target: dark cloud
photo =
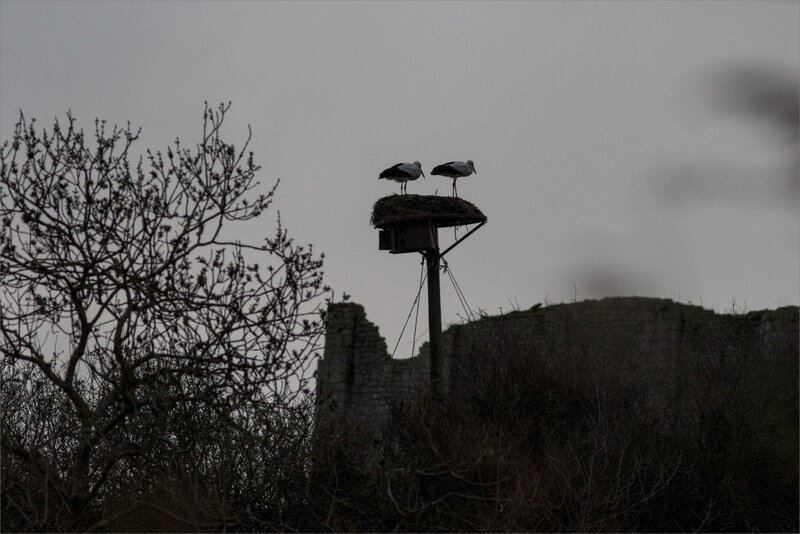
<point>769,97</point>
<point>762,92</point>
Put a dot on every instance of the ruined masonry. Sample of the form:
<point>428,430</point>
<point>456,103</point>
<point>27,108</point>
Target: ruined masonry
<point>625,339</point>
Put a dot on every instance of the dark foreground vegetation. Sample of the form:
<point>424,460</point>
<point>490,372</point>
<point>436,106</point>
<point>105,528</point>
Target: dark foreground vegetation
<point>517,446</point>
<point>153,379</point>
<point>523,444</point>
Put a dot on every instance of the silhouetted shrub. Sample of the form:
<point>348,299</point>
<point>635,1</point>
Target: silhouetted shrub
<point>526,441</point>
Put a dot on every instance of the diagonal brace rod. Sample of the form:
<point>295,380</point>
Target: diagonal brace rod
<point>462,239</point>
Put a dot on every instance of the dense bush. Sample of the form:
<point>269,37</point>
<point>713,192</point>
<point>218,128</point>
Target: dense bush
<point>522,443</point>
<point>525,443</point>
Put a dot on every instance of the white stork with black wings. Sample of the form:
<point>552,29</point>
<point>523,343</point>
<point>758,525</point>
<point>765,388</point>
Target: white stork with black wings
<point>403,172</point>
<point>455,170</point>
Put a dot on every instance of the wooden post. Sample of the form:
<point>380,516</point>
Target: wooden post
<point>434,321</point>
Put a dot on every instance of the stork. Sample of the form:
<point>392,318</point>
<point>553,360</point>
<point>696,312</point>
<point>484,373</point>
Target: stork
<point>455,170</point>
<point>403,172</point>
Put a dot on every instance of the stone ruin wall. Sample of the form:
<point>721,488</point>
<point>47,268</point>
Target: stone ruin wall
<point>641,340</point>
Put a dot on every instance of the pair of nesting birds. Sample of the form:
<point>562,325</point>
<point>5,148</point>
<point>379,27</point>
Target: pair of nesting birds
<point>405,172</point>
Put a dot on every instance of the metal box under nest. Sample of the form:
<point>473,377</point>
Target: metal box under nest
<point>409,223</point>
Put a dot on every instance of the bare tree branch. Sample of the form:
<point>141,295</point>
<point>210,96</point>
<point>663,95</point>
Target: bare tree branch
<point>120,290</point>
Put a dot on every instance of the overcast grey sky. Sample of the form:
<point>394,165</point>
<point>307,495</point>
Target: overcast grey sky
<point>615,150</point>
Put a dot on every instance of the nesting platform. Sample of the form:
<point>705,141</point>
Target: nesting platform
<point>441,211</point>
<point>409,223</point>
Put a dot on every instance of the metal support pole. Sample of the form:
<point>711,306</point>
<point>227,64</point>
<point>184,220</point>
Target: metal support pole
<point>434,321</point>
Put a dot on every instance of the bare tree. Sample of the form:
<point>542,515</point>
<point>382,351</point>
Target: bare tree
<point>125,301</point>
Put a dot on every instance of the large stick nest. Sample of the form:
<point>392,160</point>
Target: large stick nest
<point>441,211</point>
